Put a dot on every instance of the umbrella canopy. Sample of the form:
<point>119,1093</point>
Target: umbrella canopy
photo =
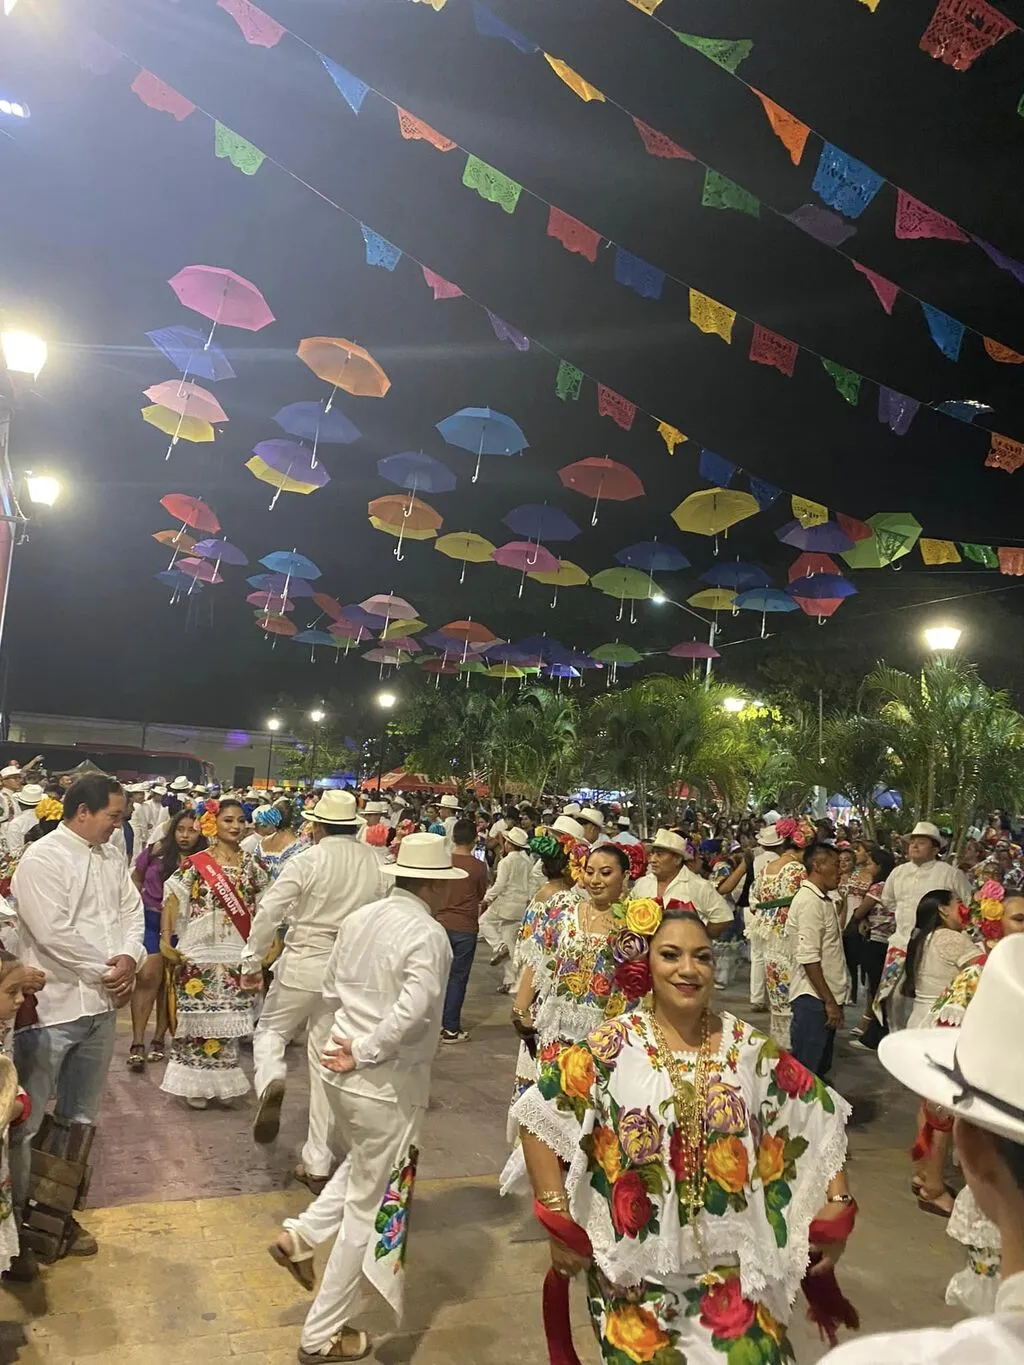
<point>468,632</point>
<point>567,575</point>
<point>538,521</point>
<point>189,353</point>
<point>482,432</point>
<point>403,626</point>
<point>623,584</point>
<point>386,604</point>
<point>330,606</point>
<point>199,568</point>
<point>220,550</point>
<point>653,557</point>
<point>526,557</point>
<point>384,656</point>
<point>372,620</point>
<point>222,296</point>
<point>765,600</point>
<point>616,653</point>
<point>172,423</point>
<point>418,472</point>
<point>309,422</point>
<point>821,607</point>
<point>187,400</point>
<point>431,663</point>
<point>405,643</point>
<point>505,671</point>
<point>291,564</point>
<point>826,538</point>
<point>395,510</point>
<point>275,625</point>
<point>737,576</point>
<point>466,546</point>
<point>285,483</point>
<point>270,601</point>
<point>287,466</point>
<point>347,629</point>
<point>893,535</point>
<point>599,477</point>
<point>314,637</point>
<point>710,511</point>
<point>822,585</point>
<point>345,365</point>
<point>560,671</point>
<point>811,563</point>
<point>693,649</point>
<point>280,583</point>
<point>177,540</point>
<point>713,599</point>
<point>171,578</point>
<point>191,512</point>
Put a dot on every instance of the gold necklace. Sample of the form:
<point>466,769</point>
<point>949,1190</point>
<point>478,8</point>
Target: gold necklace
<point>691,1106</point>
<point>587,963</point>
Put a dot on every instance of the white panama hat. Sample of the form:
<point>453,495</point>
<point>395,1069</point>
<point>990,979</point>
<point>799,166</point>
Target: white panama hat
<point>588,815</point>
<point>335,808</point>
<point>516,836</point>
<point>926,829</point>
<point>450,803</point>
<point>572,809</point>
<point>769,837</point>
<point>671,843</point>
<point>180,784</point>
<point>12,770</point>
<point>30,795</point>
<point>377,808</point>
<point>424,856</point>
<point>972,1071</point>
<point>565,824</point>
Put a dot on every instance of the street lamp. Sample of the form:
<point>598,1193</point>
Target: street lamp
<point>942,638</point>
<point>24,352</point>
<point>734,705</point>
<point>660,599</point>
<point>385,700</point>
<point>43,489</point>
<point>316,716</point>
<point>273,725</point>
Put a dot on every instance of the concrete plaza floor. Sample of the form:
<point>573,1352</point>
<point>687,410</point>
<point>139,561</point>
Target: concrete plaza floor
<point>184,1206</point>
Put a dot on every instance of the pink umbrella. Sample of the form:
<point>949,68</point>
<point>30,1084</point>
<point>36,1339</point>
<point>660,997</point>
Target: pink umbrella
<point>346,629</point>
<point>406,644</point>
<point>187,399</point>
<point>270,601</point>
<point>527,557</point>
<point>221,296</point>
<point>389,606</point>
<point>200,571</point>
<point>821,607</point>
<point>693,649</point>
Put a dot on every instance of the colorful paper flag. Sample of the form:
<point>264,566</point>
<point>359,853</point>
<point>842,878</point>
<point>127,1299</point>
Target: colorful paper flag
<point>724,52</point>
<point>352,90</point>
<point>648,6</point>
<point>999,258</point>
<point>768,348</point>
<point>574,235</point>
<point>1004,453</point>
<point>443,289</point>
<point>845,183</point>
<point>764,494</point>
<point>790,131</point>
<point>1002,353</point>
<point>243,155</point>
<point>504,331</point>
<point>938,551</point>
<point>573,79</point>
<point>568,381</point>
<point>980,554</point>
<point>896,410</point>
<point>491,184</point>
<point>379,251</point>
<point>914,219</point>
<point>1011,560</point>
<point>847,382</point>
<point>945,331</point>
<point>852,527</point>
<point>644,279</point>
<point>808,513</point>
<point>871,4</point>
<point>961,30</point>
<point>715,469</point>
<point>822,224</point>
<point>660,144</point>
<point>257,28</point>
<point>671,435</point>
<point>711,316</point>
<point>488,25</point>
<point>613,405</point>
<point>152,91</point>
<point>413,127</point>
<point>885,290</point>
<point>722,193</point>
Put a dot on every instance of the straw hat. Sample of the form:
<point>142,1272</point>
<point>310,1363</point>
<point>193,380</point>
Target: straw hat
<point>572,809</point>
<point>588,815</point>
<point>30,795</point>
<point>769,837</point>
<point>926,829</point>
<point>671,843</point>
<point>424,856</point>
<point>180,784</point>
<point>335,808</point>
<point>450,803</point>
<point>517,837</point>
<point>565,824</point>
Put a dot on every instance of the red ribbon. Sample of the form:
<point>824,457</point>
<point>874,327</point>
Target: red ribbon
<point>827,1306</point>
<point>561,1350</point>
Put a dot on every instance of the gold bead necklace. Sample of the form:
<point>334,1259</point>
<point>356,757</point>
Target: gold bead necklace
<point>691,1106</point>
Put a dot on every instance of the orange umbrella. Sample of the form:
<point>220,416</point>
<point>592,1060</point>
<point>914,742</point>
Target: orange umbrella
<point>470,632</point>
<point>179,542</point>
<point>401,516</point>
<point>345,365</point>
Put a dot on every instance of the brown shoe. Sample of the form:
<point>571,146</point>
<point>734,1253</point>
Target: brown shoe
<point>314,1183</point>
<point>79,1242</point>
<point>349,1344</point>
<point>267,1123</point>
<point>299,1267</point>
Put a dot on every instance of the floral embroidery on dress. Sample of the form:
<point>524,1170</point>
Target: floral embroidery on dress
<point>744,1331</point>
<point>392,1221</point>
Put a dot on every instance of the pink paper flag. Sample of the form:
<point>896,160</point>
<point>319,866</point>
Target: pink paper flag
<point>613,405</point>
<point>660,144</point>
<point>1011,559</point>
<point>574,235</point>
<point>156,95</point>
<point>914,219</point>
<point>258,28</point>
<point>443,289</point>
<point>768,348</point>
<point>885,289</point>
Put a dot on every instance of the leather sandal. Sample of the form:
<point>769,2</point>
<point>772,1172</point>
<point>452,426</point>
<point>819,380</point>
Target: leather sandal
<point>299,1266</point>
<point>349,1344</point>
<point>136,1059</point>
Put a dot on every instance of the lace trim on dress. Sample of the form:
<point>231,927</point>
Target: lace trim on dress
<point>196,1083</point>
<point>214,1024</point>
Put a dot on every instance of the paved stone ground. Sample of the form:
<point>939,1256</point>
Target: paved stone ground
<point>184,1204</point>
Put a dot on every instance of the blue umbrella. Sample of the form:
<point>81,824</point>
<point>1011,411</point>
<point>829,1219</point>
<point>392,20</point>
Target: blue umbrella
<point>359,616</point>
<point>765,600</point>
<point>561,671</point>
<point>817,585</point>
<point>179,582</point>
<point>188,353</point>
<point>543,647</point>
<point>275,583</point>
<point>418,472</point>
<point>653,557</point>
<point>313,638</point>
<point>482,432</point>
<point>888,800</point>
<point>508,654</point>
<point>309,422</point>
<point>839,802</point>
<point>737,576</point>
<point>537,521</point>
<point>291,564</point>
<point>828,538</point>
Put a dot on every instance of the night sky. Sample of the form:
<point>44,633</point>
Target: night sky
<point>105,199</point>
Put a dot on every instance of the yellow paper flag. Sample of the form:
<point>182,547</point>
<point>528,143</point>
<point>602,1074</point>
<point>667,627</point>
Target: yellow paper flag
<point>808,513</point>
<point>440,4</point>
<point>711,316</point>
<point>787,128</point>
<point>670,435</point>
<point>648,6</point>
<point>938,551</point>
<point>871,4</point>
<point>573,79</point>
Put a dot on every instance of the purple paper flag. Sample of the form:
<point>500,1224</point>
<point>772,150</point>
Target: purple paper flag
<point>896,410</point>
<point>821,223</point>
<point>504,331</point>
<point>1016,268</point>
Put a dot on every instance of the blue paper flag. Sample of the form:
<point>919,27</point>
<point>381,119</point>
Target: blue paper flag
<point>379,251</point>
<point>763,493</point>
<point>963,409</point>
<point>488,25</point>
<point>630,270</point>
<point>716,469</point>
<point>843,183</point>
<point>350,87</point>
<point>946,332</point>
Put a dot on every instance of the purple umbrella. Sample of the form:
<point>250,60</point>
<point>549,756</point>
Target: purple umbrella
<point>832,585</point>
<point>294,462</point>
<point>829,537</point>
<point>526,557</point>
<point>280,584</point>
<point>222,551</point>
<point>369,620</point>
<point>693,649</point>
<point>537,521</point>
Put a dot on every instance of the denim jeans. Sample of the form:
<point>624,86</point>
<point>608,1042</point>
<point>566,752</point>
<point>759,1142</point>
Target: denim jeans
<point>463,949</point>
<point>67,1061</point>
<point>811,1041</point>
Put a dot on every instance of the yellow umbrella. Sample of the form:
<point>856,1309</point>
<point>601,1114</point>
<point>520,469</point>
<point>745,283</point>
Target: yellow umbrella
<point>345,365</point>
<point>277,479</point>
<point>398,629</point>
<point>413,518</point>
<point>174,425</point>
<point>467,546</point>
<point>568,575</point>
<point>425,534</point>
<point>712,510</point>
<point>713,599</point>
<point>177,540</point>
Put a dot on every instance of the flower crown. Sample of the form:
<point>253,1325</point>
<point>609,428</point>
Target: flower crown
<point>983,918</point>
<point>49,808</point>
<point>637,921</point>
<point>800,833</point>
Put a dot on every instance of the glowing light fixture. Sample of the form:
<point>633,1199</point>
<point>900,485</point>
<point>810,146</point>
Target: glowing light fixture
<point>24,353</point>
<point>941,638</point>
<point>43,489</point>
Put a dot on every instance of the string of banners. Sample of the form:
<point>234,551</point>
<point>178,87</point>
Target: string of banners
<point>100,57</point>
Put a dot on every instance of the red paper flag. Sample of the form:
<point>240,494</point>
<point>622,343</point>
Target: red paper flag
<point>1011,559</point>
<point>768,348</point>
<point>153,92</point>
<point>1004,453</point>
<point>613,405</point>
<point>885,289</point>
<point>914,219</point>
<point>850,526</point>
<point>574,235</point>
<point>961,30</point>
<point>660,144</point>
<point>443,289</point>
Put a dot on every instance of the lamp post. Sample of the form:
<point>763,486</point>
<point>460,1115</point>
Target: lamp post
<point>273,725</point>
<point>385,700</point>
<point>942,639</point>
<point>317,717</point>
<point>659,599</point>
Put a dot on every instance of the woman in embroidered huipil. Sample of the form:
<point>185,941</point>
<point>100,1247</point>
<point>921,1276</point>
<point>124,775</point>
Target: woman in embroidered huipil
<point>213,1002</point>
<point>774,888</point>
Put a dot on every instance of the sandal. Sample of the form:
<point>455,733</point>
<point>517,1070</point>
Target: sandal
<point>136,1059</point>
<point>931,1204</point>
<point>156,1051</point>
<point>349,1344</point>
<point>299,1267</point>
<point>313,1183</point>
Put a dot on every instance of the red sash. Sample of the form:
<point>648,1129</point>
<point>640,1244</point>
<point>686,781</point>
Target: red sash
<point>215,878</point>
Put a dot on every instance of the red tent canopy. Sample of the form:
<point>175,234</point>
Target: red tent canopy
<point>399,780</point>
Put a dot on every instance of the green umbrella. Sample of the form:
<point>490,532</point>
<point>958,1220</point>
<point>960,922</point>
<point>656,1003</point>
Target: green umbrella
<point>893,534</point>
<point>623,584</point>
<point>615,654</point>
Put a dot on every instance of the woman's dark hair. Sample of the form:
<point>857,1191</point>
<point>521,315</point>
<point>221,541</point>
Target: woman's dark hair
<point>285,807</point>
<point>883,860</point>
<point>554,866</point>
<point>928,920</point>
<point>677,916</point>
<point>37,831</point>
<point>168,851</point>
<point>619,854</point>
<point>93,792</point>
<point>230,801</point>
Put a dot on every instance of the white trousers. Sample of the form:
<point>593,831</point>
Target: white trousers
<point>317,1156</point>
<point>496,932</point>
<point>285,1014</point>
<point>365,1131</point>
<point>758,993</point>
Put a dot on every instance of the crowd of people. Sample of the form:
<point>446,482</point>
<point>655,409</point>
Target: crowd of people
<point>689,1162</point>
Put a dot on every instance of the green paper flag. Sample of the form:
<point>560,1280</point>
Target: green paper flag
<point>890,543</point>
<point>247,158</point>
<point>846,381</point>
<point>724,52</point>
<point>981,554</point>
<point>491,184</point>
<point>568,381</point>
<point>722,193</point>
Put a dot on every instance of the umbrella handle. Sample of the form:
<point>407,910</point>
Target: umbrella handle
<point>316,442</point>
<point>597,502</point>
<point>764,626</point>
<point>462,575</point>
<point>397,551</point>
<point>407,511</point>
<point>536,554</point>
<point>479,457</point>
<point>554,600</point>
<point>622,608</point>
<point>522,580</point>
<point>330,401</point>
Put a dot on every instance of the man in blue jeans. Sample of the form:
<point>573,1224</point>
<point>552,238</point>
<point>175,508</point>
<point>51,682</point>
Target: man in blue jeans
<point>81,922</point>
<point>457,907</point>
<point>818,983</point>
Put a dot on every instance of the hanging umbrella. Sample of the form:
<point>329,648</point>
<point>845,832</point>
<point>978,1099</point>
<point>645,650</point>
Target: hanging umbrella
<point>313,638</point>
<point>221,551</point>
<point>567,575</point>
<point>713,599</point>
<point>623,584</point>
<point>275,625</point>
<point>371,620</point>
<point>653,557</point>
<point>482,432</point>
<point>189,354</point>
<point>737,576</point>
<point>347,642</point>
<point>810,563</point>
<point>431,663</point>
<point>893,535</point>
<point>186,399</point>
<point>199,571</point>
<point>765,600</point>
<point>270,601</point>
<point>403,517</point>
<point>388,606</point>
<point>826,538</point>
<point>178,582</point>
<point>599,478</point>
<point>292,565</point>
<point>821,607</point>
<point>343,365</point>
<point>537,521</point>
<point>309,422</point>
<point>288,467</point>
<point>405,643</point>
<point>403,626</point>
<point>561,671</point>
<point>179,542</point>
<point>171,423</point>
<point>418,472</point>
<point>384,657</point>
<point>346,626</point>
<point>693,649</point>
<point>190,512</point>
<point>467,546</point>
<point>222,296</point>
<point>822,585</point>
<point>710,511</point>
<point>469,633</point>
<point>526,557</point>
<point>276,582</point>
<point>616,655</point>
<point>330,606</point>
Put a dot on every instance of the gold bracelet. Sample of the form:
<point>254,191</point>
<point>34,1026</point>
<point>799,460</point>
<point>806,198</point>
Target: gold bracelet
<point>554,1200</point>
<point>522,1015</point>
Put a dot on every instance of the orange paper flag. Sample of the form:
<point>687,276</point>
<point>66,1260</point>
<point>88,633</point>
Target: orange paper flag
<point>573,79</point>
<point>413,127</point>
<point>1002,353</point>
<point>1011,559</point>
<point>787,128</point>
<point>1004,453</point>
